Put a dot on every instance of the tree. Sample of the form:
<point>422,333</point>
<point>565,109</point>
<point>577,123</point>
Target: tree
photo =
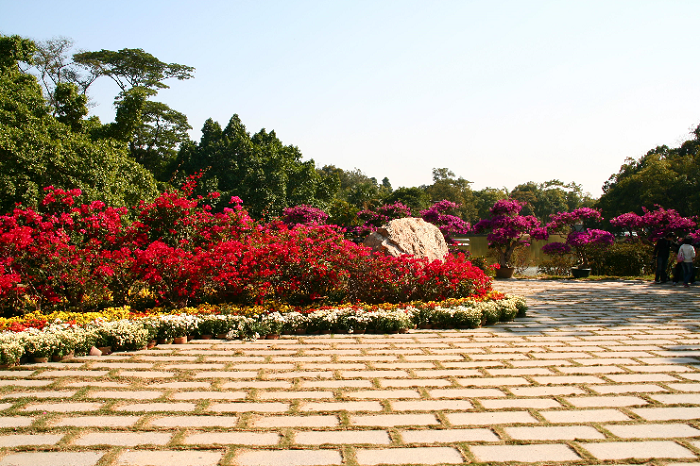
<point>132,68</point>
<point>39,150</point>
<point>485,198</point>
<point>548,198</point>
<point>415,198</point>
<point>663,176</point>
<point>268,175</point>
<point>447,186</point>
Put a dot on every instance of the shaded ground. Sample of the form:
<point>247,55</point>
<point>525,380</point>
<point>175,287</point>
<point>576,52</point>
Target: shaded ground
<point>598,373</point>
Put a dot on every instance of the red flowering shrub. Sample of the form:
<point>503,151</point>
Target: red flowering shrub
<point>179,253</point>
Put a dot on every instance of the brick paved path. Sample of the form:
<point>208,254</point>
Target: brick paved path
<point>599,373</point>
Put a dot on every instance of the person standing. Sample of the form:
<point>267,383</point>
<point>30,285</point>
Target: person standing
<point>686,255</point>
<point>661,252</point>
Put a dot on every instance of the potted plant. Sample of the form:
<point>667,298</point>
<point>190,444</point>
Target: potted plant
<point>509,231</point>
<point>580,241</point>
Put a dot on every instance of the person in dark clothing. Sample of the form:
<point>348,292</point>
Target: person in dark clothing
<point>661,252</point>
<point>677,268</point>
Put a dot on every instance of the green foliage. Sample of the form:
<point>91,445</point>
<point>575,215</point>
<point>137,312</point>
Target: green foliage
<point>557,265</point>
<point>550,197</point>
<point>624,259</point>
<point>416,199</point>
<point>485,198</point>
<point>38,149</point>
<point>266,174</point>
<point>446,185</point>
<point>663,176</point>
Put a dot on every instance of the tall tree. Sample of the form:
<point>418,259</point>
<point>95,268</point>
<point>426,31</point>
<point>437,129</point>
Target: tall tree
<point>266,174</point>
<point>446,185</point>
<point>39,150</point>
<point>669,177</point>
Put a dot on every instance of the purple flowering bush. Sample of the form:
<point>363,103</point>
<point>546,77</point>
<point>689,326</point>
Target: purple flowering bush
<point>508,230</point>
<point>448,224</point>
<point>303,215</point>
<point>654,224</point>
<point>582,242</point>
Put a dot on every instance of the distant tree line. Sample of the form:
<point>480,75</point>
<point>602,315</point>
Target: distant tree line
<point>47,138</point>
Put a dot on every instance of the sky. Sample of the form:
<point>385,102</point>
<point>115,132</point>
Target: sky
<point>500,92</point>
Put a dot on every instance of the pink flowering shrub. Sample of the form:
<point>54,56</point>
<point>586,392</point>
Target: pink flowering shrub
<point>438,214</point>
<point>178,252</point>
<point>654,224</point>
<point>304,214</point>
<point>508,230</point>
<point>582,242</point>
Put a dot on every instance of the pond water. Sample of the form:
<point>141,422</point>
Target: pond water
<point>479,247</point>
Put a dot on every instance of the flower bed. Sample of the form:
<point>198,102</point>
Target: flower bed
<point>62,333</point>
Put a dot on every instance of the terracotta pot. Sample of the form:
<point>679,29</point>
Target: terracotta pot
<point>151,344</point>
<point>40,359</point>
<point>190,337</point>
<point>165,341</point>
<point>105,349</point>
<point>180,340</point>
<point>272,336</point>
<point>206,337</point>
<point>221,336</point>
<point>505,272</point>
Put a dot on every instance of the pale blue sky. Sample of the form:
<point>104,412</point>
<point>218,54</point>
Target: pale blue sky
<point>500,92</point>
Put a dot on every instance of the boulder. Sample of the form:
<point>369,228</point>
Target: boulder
<point>412,236</point>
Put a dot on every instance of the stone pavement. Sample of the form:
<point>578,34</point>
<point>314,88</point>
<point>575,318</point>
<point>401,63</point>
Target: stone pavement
<point>598,373</point>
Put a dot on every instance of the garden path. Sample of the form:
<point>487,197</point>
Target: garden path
<point>598,373</point>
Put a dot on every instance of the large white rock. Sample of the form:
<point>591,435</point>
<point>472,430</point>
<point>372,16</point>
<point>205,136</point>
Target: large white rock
<point>412,236</point>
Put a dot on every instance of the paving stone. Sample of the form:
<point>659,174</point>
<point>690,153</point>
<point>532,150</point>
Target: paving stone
<point>71,374</point>
<point>626,388</point>
<point>353,406</point>
<point>415,455</point>
<point>96,421</point>
<point>448,436</point>
<point>249,407</point>
<point>126,439</point>
<point>291,395</point>
<point>491,418</point>
<point>209,395</point>
<point>546,391</point>
<point>226,375</point>
<point>20,440</point>
<point>194,421</point>
<point>294,421</point>
<point>637,450</point>
<point>287,458</point>
<point>653,430</point>
<point>181,385</point>
<point>63,407</point>
<point>642,378</point>
<point>520,403</point>
<point>169,458</point>
<point>667,414</point>
<point>524,453</point>
<point>127,395</point>
<point>232,438</point>
<point>415,383</point>
<point>53,458</point>
<point>685,387</point>
<point>353,437</point>
<point>432,405</point>
<point>605,401</point>
<point>38,394</point>
<point>567,379</point>
<point>13,373</point>
<point>677,399</point>
<point>546,433</point>
<point>584,416</point>
<point>146,374</point>
<point>383,394</point>
<point>258,384</point>
<point>391,420</point>
<point>25,383</point>
<point>154,407</point>
<point>467,393</point>
<point>336,384</point>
